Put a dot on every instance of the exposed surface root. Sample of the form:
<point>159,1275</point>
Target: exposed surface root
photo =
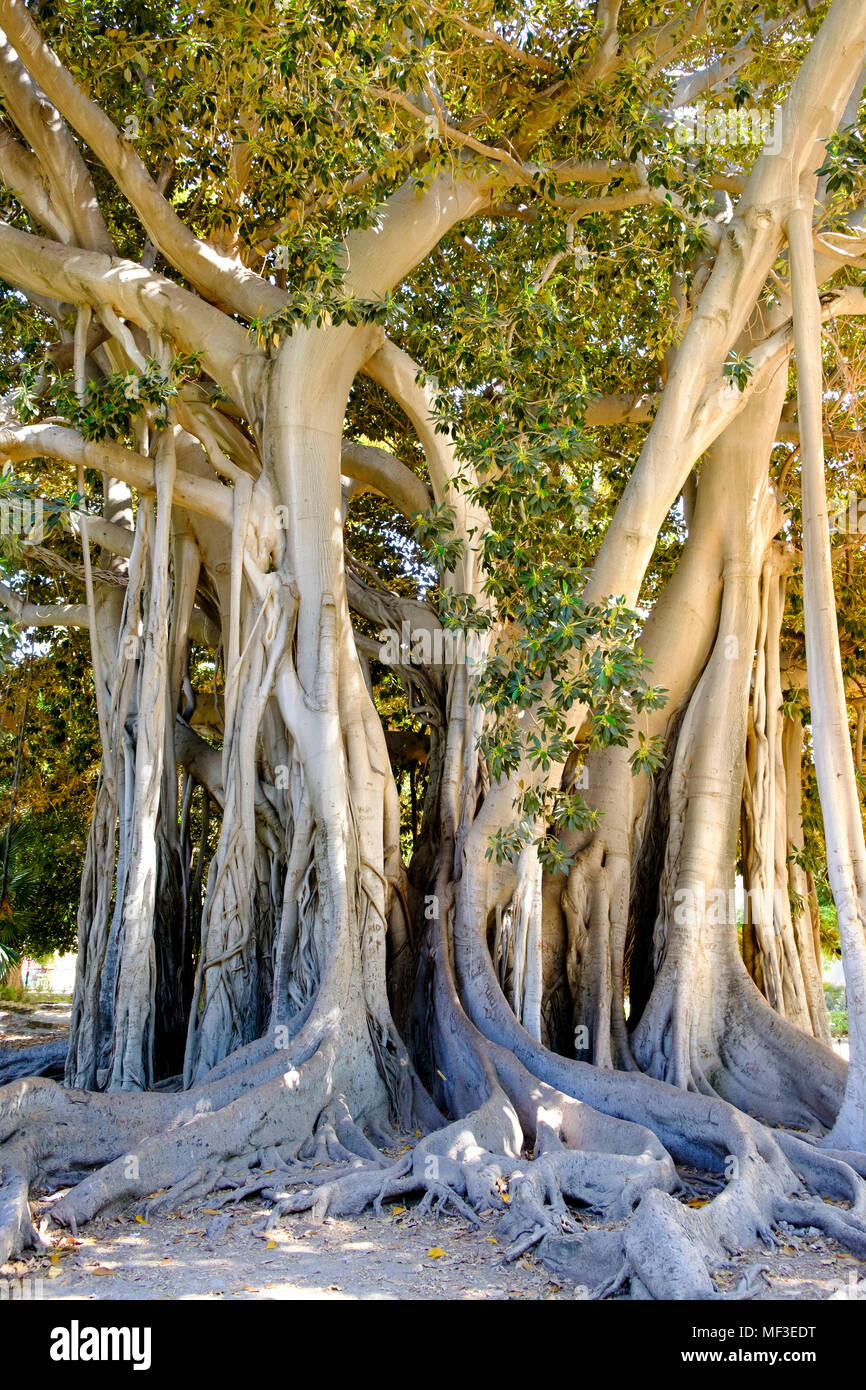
<point>16,1228</point>
<point>542,1137</point>
<point>667,1249</point>
<point>161,1146</point>
<point>48,1059</point>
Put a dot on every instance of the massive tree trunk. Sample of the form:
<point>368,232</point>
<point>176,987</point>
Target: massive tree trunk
<point>343,1001</point>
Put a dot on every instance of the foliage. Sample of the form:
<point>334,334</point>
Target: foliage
<point>44,865</point>
<point>839,1023</point>
<point>110,405</point>
<point>283,127</point>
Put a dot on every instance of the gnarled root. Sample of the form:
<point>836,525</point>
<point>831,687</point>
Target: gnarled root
<point>668,1249</point>
<point>47,1131</point>
<point>17,1165</point>
<point>540,1135</point>
<point>478,1167</point>
<point>46,1060</point>
<point>164,1146</point>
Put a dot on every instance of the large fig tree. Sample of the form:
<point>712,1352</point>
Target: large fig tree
<point>437,396</point>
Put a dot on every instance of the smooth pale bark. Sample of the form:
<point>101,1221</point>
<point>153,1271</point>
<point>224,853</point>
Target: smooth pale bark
<point>809,948</point>
<point>219,278</point>
<point>834,761</point>
<point>152,301</point>
<point>314,886</point>
<point>387,475</point>
<point>765,872</point>
<point>57,182</point>
<point>56,441</point>
<point>132,1061</point>
<point>689,417</point>
<point>737,1043</point>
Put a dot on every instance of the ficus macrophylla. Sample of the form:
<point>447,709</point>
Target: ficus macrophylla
<point>382,435</point>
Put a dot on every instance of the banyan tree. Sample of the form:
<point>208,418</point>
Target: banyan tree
<point>453,403</point>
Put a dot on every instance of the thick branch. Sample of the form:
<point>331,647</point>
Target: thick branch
<point>407,227</point>
<point>152,301</point>
<point>387,474</point>
<point>20,172</point>
<point>67,177</point>
<point>221,279</point>
<point>199,495</point>
<point>750,246</point>
<point>22,614</point>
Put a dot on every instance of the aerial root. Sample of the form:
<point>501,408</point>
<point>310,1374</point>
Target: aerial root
<point>799,1082</point>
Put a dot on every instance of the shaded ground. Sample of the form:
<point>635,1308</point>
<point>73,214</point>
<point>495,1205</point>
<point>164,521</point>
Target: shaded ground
<point>204,1254</point>
<point>32,1022</point>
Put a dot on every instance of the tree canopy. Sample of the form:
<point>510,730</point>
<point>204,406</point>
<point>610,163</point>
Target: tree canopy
<point>431,540</point>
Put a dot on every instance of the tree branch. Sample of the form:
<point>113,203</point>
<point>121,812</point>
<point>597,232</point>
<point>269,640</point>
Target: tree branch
<point>20,172</point>
<point>221,279</point>
<point>533,60</point>
<point>152,301</point>
<point>63,168</point>
<point>23,614</point>
<point>387,474</point>
<point>200,495</point>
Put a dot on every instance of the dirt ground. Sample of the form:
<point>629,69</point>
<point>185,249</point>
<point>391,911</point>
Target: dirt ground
<point>201,1253</point>
<point>31,1024</point>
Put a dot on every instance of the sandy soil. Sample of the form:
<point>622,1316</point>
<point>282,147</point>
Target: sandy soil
<point>28,1025</point>
<point>200,1253</point>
